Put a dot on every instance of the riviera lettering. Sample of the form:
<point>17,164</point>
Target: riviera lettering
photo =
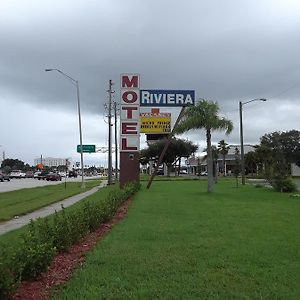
<point>166,98</point>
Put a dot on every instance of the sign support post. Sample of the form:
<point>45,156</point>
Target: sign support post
<point>168,141</point>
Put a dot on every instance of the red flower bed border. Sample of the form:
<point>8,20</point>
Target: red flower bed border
<point>63,264</point>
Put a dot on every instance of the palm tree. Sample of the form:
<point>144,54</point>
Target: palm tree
<point>215,155</point>
<point>204,115</point>
<point>251,161</point>
<point>223,148</point>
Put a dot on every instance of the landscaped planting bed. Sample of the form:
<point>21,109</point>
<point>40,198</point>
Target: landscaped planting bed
<point>33,252</point>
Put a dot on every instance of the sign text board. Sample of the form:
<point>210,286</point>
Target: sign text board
<point>169,98</point>
<point>155,123</point>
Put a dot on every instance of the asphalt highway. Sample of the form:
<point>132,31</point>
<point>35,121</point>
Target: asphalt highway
<point>17,184</point>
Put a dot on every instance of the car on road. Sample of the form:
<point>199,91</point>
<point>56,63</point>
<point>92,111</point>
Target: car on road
<point>4,176</point>
<point>17,174</point>
<point>53,177</point>
<point>204,173</point>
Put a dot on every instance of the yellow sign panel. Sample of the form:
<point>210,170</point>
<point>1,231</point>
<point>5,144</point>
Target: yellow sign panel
<point>155,123</point>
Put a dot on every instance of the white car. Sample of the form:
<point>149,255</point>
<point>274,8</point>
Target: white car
<point>37,174</point>
<point>17,174</point>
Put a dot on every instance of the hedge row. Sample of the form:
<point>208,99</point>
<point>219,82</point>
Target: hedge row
<point>44,238</point>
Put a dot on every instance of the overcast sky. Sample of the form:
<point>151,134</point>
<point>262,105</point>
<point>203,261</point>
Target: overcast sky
<point>227,51</point>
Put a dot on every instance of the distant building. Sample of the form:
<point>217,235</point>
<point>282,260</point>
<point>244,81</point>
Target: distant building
<point>52,162</point>
<point>199,163</point>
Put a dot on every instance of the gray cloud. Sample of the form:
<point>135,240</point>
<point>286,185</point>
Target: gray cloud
<point>228,51</point>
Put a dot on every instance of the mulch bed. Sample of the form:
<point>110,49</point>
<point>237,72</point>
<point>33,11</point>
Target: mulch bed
<point>63,264</point>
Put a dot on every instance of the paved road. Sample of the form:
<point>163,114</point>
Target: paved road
<point>46,211</point>
<point>17,184</point>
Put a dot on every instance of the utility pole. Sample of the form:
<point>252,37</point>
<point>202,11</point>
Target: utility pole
<point>116,142</point>
<point>109,171</point>
<point>242,143</point>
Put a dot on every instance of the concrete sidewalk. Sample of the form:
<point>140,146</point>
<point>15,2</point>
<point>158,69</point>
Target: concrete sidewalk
<point>46,211</point>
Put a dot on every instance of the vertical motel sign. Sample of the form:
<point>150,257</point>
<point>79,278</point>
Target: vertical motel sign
<point>129,127</point>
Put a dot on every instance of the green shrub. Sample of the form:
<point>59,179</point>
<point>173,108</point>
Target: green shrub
<point>43,238</point>
<point>78,227</point>
<point>258,185</point>
<point>7,279</point>
<point>284,185</point>
<point>32,257</point>
<point>61,231</point>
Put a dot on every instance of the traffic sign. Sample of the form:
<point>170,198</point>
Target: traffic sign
<point>87,148</point>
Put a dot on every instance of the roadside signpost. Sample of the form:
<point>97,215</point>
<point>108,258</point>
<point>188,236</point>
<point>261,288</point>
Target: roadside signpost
<point>132,123</point>
<point>87,148</point>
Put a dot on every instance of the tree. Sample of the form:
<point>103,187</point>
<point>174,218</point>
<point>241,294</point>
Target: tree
<point>215,156</point>
<point>177,149</point>
<point>14,164</point>
<point>279,150</point>
<point>223,149</point>
<point>284,143</point>
<point>237,165</point>
<point>205,115</point>
<point>264,158</point>
<point>251,161</point>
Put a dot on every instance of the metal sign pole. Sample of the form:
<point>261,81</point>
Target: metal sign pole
<point>168,141</point>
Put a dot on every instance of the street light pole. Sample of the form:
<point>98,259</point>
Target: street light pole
<point>242,136</point>
<point>80,136</point>
<point>79,119</point>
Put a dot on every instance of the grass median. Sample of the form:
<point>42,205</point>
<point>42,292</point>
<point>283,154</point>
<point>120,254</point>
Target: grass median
<point>20,202</point>
<point>179,242</point>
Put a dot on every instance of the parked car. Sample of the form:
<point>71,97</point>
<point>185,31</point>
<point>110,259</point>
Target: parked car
<point>17,174</point>
<point>29,174</point>
<point>53,177</point>
<point>204,173</point>
<point>160,171</point>
<point>37,174</point>
<point>4,176</point>
<point>72,174</point>
<point>41,175</point>
<point>183,172</point>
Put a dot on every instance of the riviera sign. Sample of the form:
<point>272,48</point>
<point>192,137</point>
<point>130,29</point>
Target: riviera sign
<point>167,97</point>
<point>131,100</point>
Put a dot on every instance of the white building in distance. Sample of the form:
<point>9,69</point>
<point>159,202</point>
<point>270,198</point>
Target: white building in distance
<point>52,162</point>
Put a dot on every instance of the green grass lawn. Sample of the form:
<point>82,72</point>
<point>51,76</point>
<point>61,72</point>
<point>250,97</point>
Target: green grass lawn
<point>178,242</point>
<point>12,238</point>
<point>20,202</point>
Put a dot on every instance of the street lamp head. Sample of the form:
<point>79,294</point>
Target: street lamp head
<point>48,70</point>
<point>263,99</point>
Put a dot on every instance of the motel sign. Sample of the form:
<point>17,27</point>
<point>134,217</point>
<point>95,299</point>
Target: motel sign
<point>131,100</point>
